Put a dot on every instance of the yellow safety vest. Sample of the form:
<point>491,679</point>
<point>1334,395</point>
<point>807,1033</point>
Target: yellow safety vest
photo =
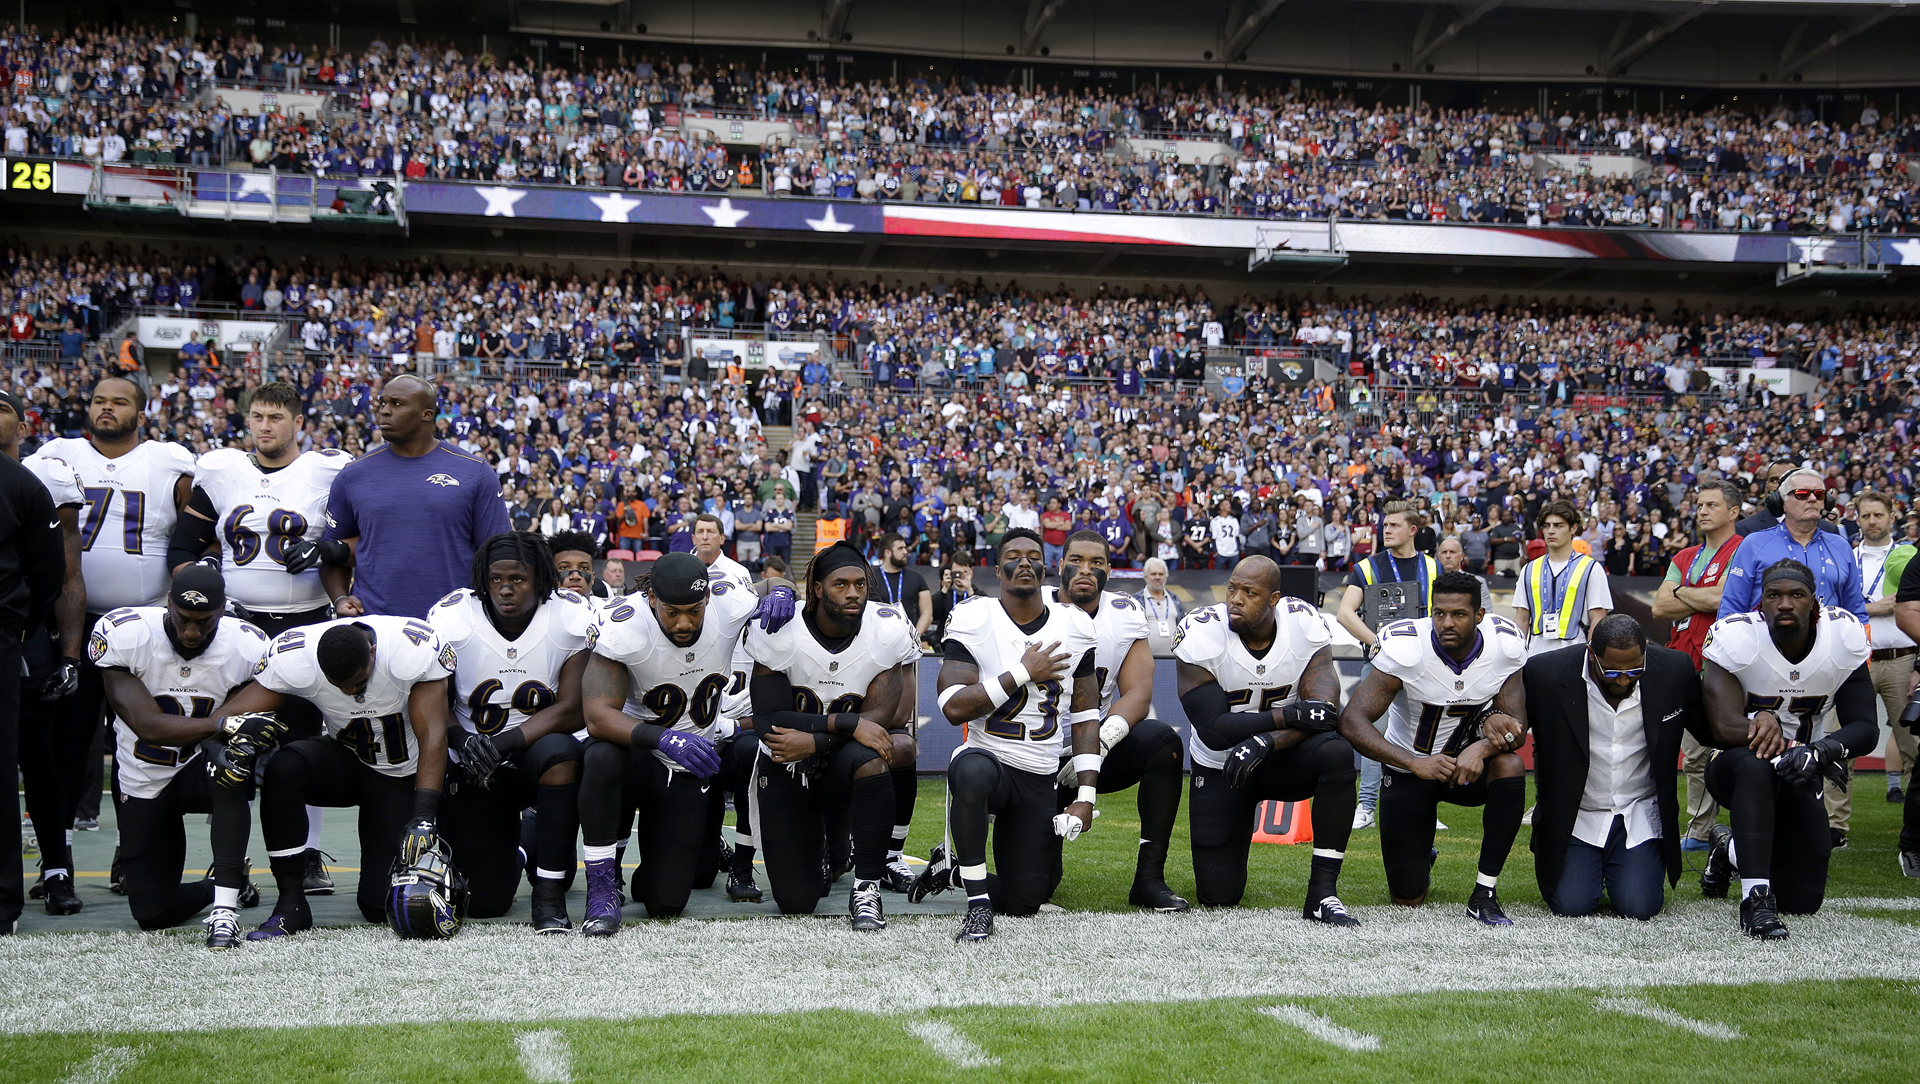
<point>1576,590</point>
<point>1429,569</point>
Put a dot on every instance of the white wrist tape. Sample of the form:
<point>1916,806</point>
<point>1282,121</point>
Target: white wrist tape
<point>1113,732</point>
<point>947,694</point>
<point>1087,795</point>
<point>1020,675</point>
<point>996,695</point>
<point>1086,762</point>
<point>1075,718</point>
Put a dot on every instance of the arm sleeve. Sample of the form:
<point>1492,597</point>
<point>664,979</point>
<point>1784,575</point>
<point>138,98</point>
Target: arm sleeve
<point>1855,704</point>
<point>955,651</point>
<point>1218,728</point>
<point>773,706</point>
<point>191,534</point>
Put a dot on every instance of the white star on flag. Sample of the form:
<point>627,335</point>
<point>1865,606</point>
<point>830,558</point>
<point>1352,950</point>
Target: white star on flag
<point>829,224</point>
<point>1909,251</point>
<point>724,216</point>
<point>500,200</point>
<point>255,184</point>
<point>614,208</point>
<point>1810,249</point>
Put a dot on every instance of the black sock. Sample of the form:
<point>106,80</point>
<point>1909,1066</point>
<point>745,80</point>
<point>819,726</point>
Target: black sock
<point>871,814</point>
<point>556,825</point>
<point>232,823</point>
<point>290,877</point>
<point>1323,875</point>
<point>906,790</point>
<point>1159,803</point>
<point>1500,822</point>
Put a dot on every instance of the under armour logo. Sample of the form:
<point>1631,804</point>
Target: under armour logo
<point>442,480</point>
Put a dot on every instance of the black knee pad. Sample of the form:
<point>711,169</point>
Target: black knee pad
<point>850,758</point>
<point>548,751</point>
<point>973,774</point>
<point>1333,757</point>
<point>605,756</point>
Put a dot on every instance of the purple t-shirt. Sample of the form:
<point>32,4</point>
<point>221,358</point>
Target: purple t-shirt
<point>418,521</point>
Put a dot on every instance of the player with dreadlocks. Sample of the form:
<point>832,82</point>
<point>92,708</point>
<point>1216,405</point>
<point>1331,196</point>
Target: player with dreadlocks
<point>826,690</point>
<point>522,644</point>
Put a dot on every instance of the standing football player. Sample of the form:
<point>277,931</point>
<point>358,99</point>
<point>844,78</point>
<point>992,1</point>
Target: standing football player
<point>522,646</point>
<point>1134,750</point>
<point>775,609</point>
<point>1010,663</point>
<point>662,658</point>
<point>1781,672</point>
<point>1257,682</point>
<point>166,668</point>
<point>266,510</point>
<point>52,650</point>
<point>1440,680</point>
<point>381,686</point>
<point>134,490</point>
<point>825,690</point>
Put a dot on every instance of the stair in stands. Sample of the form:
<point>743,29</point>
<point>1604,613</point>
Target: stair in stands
<point>802,546</point>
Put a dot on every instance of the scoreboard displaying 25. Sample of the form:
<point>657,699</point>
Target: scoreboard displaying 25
<point>20,176</point>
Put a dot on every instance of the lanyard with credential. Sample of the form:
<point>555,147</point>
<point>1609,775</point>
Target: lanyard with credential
<point>894,590</point>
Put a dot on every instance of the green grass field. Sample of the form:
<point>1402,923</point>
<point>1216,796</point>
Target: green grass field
<point>1099,993</point>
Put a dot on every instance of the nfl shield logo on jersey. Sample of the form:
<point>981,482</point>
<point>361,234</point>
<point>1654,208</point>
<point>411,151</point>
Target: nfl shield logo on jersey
<point>1260,669</point>
<point>1793,675</point>
<point>691,656</point>
<point>833,667</point>
<point>513,653</point>
<point>186,672</point>
<point>1459,685</point>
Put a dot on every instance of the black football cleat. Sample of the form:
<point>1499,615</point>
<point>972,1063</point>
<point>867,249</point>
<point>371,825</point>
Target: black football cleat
<point>603,901</point>
<point>38,890</point>
<point>223,929</point>
<point>1718,876</point>
<point>978,925</point>
<point>1838,837</point>
<point>318,882</point>
<point>278,926</point>
<point>863,907</point>
<point>1155,894</point>
<point>935,877</point>
<point>114,884</point>
<point>898,877</point>
<point>60,897</point>
<point>1330,910</point>
<point>1484,906</point>
<point>1760,916</point>
<point>741,887</point>
<point>550,907</point>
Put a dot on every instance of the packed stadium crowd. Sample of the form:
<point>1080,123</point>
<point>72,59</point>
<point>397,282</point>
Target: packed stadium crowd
<point>432,111</point>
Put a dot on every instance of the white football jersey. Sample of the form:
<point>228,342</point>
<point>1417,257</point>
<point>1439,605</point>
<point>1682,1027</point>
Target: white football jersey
<point>1741,645</point>
<point>258,513</point>
<point>1435,693</point>
<point>1119,622</point>
<point>62,482</point>
<point>1252,683</point>
<point>135,640</point>
<point>128,518</point>
<point>825,682</point>
<point>501,682</point>
<point>376,724</point>
<point>1027,731</point>
<point>673,686</point>
<point>736,703</point>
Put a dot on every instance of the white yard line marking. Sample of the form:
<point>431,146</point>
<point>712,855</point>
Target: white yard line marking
<point>1633,1006</point>
<point>1322,1028</point>
<point>947,1042</point>
<point>502,973</point>
<point>545,1057</point>
<point>107,1063</point>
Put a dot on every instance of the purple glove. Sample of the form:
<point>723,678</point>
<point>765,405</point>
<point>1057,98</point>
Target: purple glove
<point>691,751</point>
<point>775,609</point>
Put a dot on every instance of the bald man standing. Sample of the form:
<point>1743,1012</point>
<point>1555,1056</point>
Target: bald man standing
<point>413,510</point>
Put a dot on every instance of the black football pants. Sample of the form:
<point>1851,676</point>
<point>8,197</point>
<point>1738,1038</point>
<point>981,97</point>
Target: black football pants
<point>482,825</point>
<point>1319,768</point>
<point>800,811</point>
<point>1022,806</point>
<point>1149,758</point>
<point>1779,831</point>
<point>617,781</point>
<point>153,845</point>
<point>323,772</point>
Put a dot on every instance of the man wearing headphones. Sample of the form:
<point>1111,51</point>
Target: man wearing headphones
<point>1804,501</point>
<point>1772,507</point>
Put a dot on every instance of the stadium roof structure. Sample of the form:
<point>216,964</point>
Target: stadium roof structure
<point>1644,42</point>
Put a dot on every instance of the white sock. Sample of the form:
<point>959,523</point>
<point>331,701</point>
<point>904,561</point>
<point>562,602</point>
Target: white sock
<point>550,874</point>
<point>57,871</point>
<point>1748,884</point>
<point>599,854</point>
<point>1491,880</point>
<point>228,898</point>
<point>315,817</point>
<point>1733,852</point>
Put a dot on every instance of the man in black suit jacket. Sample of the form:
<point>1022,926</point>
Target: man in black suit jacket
<point>1606,746</point>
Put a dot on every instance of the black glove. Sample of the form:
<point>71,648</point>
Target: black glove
<point>1244,759</point>
<point>479,756</point>
<point>63,682</point>
<point>231,763</point>
<point>263,726</point>
<point>1804,766</point>
<point>1312,716</point>
<point>305,556</point>
<point>422,833</point>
